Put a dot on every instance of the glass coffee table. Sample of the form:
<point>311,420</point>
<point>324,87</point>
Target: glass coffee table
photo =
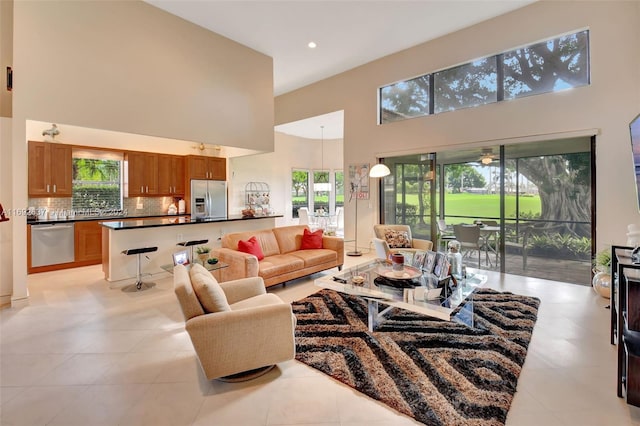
<point>411,289</point>
<point>208,266</point>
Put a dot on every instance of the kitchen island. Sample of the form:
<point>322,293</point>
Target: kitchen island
<point>164,233</point>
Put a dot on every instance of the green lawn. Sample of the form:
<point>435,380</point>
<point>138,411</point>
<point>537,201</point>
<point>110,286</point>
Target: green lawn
<point>483,205</point>
<point>471,206</point>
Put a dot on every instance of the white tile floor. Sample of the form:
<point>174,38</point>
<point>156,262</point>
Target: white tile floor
<point>83,353</point>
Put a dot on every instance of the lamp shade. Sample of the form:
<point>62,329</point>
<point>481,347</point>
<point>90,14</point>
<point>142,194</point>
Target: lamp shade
<point>379,170</point>
<point>322,187</point>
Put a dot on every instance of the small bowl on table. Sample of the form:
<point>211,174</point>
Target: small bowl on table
<point>357,279</point>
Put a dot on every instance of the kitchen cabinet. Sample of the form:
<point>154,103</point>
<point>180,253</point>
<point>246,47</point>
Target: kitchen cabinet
<point>212,168</point>
<point>142,174</point>
<point>49,169</point>
<point>88,242</point>
<point>171,175</point>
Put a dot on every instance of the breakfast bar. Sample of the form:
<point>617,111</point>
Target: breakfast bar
<point>164,233</point>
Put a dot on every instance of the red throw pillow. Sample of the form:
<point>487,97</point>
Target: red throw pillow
<point>251,246</point>
<point>311,240</point>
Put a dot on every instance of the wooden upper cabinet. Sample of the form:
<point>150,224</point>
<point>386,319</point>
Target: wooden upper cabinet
<point>171,175</point>
<point>218,168</point>
<point>142,173</point>
<point>212,168</point>
<point>50,169</point>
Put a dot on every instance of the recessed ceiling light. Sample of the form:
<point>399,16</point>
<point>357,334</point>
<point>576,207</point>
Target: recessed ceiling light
<point>312,45</point>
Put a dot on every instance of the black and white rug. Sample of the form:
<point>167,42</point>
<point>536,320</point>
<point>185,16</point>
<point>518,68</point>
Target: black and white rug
<point>438,372</point>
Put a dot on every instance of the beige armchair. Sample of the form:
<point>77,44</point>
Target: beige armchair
<point>238,330</point>
<point>400,234</point>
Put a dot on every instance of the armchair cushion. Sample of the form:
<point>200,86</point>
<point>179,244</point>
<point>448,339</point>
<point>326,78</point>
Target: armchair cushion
<point>209,292</point>
<point>397,239</point>
<point>251,246</point>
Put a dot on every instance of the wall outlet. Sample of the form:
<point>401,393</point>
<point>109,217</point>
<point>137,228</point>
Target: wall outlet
<point>139,206</point>
<point>179,238</point>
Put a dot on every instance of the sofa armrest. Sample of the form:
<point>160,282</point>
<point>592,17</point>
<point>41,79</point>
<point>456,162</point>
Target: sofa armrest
<point>241,265</point>
<point>234,341</point>
<point>243,288</point>
<point>422,244</point>
<point>334,243</point>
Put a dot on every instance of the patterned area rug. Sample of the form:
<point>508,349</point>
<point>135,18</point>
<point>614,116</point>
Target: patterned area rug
<point>438,372</point>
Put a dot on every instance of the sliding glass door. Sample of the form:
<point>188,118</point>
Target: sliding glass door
<point>532,203</point>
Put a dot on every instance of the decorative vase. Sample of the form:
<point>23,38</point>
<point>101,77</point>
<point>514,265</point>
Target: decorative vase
<point>602,284</point>
<point>203,257</point>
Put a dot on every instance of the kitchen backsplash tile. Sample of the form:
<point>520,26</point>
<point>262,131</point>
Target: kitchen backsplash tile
<point>150,206</point>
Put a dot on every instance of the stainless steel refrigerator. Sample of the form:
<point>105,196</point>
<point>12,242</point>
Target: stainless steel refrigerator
<point>208,199</point>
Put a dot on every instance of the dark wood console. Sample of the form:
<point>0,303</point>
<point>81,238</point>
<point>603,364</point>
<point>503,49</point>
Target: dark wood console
<point>625,322</point>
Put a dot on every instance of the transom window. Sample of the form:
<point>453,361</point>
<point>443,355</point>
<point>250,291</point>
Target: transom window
<point>556,64</point>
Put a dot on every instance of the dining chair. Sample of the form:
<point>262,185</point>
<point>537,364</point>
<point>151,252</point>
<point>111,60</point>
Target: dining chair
<point>445,234</point>
<point>469,238</point>
<point>303,216</point>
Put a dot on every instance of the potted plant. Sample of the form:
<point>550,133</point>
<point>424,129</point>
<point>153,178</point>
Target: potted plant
<point>203,253</point>
<point>602,273</point>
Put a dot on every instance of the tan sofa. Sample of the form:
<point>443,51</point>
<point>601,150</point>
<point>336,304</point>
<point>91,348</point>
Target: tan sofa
<point>283,259</point>
<point>248,329</point>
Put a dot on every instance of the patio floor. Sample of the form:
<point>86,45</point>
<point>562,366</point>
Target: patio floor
<point>569,271</point>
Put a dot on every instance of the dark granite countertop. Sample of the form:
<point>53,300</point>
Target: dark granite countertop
<point>118,225</point>
<point>84,218</point>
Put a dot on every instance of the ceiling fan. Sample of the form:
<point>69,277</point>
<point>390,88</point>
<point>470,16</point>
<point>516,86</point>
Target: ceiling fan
<point>487,156</point>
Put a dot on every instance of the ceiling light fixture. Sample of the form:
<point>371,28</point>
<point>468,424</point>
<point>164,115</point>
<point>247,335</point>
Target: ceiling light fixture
<point>486,157</point>
<point>322,186</point>
<point>486,160</point>
<point>312,45</point>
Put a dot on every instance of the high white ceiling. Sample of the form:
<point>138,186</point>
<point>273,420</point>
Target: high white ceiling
<point>348,33</point>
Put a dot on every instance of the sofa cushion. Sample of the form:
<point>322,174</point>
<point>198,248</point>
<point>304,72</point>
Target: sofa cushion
<point>316,256</point>
<point>251,246</point>
<point>289,237</point>
<point>397,239</point>
<point>280,264</point>
<point>209,292</point>
<point>265,237</point>
<point>311,240</point>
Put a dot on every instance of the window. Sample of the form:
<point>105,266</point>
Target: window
<point>339,186</point>
<point>299,190</point>
<point>552,65</point>
<point>97,181</point>
<point>549,66</point>
<point>466,86</point>
<point>406,99</point>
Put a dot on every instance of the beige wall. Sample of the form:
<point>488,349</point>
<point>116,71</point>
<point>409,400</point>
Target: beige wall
<point>274,168</point>
<point>6,54</point>
<point>608,104</point>
<point>129,67</point>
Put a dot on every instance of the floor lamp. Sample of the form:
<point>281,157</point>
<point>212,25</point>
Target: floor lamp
<point>377,171</point>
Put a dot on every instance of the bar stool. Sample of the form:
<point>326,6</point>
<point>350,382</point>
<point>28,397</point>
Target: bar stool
<point>139,285</point>
<point>190,244</point>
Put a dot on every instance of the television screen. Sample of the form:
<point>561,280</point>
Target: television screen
<point>635,148</point>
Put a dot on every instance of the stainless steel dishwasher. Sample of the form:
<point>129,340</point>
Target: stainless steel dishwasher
<point>52,244</point>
